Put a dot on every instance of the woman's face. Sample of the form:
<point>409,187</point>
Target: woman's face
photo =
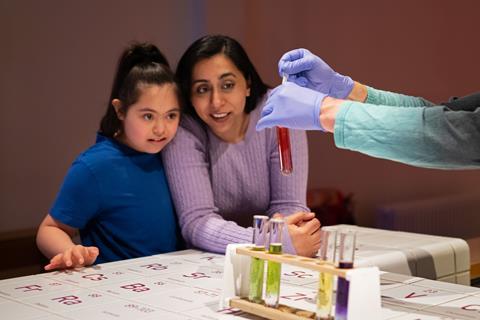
<point>218,94</point>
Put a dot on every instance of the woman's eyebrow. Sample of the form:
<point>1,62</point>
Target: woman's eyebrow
<point>227,74</point>
<point>224,75</point>
<point>199,80</point>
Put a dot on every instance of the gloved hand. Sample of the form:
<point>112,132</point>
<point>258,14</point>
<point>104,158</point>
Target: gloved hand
<point>308,70</point>
<point>292,106</point>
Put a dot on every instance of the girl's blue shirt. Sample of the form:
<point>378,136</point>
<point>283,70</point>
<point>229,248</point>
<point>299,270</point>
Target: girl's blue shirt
<point>120,201</point>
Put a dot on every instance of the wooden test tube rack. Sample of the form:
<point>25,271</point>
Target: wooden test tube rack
<point>283,312</point>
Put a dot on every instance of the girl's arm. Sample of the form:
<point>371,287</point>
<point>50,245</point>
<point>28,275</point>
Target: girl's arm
<point>77,201</point>
<point>54,239</point>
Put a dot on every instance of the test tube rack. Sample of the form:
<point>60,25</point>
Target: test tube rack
<point>364,293</point>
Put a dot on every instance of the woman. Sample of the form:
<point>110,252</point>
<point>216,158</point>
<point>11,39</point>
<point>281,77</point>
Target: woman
<point>220,170</point>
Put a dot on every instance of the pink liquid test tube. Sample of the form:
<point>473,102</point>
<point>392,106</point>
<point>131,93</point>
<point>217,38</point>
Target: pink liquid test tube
<point>284,149</point>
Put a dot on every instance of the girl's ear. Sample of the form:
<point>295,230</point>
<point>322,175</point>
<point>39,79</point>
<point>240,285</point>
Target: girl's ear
<point>117,104</point>
<point>248,87</point>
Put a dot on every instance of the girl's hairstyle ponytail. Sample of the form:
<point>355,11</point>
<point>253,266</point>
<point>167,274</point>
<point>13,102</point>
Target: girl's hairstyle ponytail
<point>140,64</point>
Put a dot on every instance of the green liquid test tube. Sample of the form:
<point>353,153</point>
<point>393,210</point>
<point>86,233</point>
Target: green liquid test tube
<point>328,242</point>
<point>274,269</point>
<point>255,293</point>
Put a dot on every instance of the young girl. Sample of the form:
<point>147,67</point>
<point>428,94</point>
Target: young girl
<point>116,193</point>
<point>220,170</point>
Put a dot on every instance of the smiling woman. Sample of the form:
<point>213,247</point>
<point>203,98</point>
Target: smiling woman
<point>222,172</point>
<point>219,92</point>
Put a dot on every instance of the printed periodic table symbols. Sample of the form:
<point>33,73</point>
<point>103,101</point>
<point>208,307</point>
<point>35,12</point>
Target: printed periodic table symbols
<point>32,286</point>
<point>187,285</point>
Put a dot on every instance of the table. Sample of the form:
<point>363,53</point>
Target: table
<point>432,257</point>
<point>474,244</point>
<point>187,285</point>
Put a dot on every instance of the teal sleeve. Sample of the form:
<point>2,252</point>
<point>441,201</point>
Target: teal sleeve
<point>431,137</point>
<point>387,98</point>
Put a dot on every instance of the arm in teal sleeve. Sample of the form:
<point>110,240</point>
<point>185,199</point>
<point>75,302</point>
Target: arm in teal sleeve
<point>430,137</point>
<point>387,98</point>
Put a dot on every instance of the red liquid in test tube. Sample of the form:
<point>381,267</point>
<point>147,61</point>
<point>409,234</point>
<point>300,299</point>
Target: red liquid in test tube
<point>284,149</point>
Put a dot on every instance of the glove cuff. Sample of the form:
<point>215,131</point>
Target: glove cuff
<point>316,111</point>
<point>341,86</point>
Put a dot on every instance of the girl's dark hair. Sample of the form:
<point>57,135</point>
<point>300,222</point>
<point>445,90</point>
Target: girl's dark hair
<point>208,46</point>
<point>140,64</point>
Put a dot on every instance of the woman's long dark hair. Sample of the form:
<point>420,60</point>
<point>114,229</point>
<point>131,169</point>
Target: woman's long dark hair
<point>208,46</point>
<point>139,64</point>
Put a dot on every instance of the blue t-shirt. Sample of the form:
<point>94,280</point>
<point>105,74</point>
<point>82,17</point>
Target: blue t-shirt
<point>120,201</point>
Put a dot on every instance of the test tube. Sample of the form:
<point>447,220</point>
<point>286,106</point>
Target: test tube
<point>260,224</point>
<point>284,149</point>
<point>345,261</point>
<point>274,268</point>
<point>328,245</point>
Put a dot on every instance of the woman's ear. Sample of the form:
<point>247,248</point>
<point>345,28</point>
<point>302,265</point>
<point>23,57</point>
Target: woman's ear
<point>248,87</point>
<point>117,105</point>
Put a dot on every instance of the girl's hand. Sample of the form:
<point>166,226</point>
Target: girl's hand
<point>73,257</point>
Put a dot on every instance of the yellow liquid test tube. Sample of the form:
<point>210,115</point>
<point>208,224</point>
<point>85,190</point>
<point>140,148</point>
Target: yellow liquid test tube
<point>328,240</point>
<point>260,224</point>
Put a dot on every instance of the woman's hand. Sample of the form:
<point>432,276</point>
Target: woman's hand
<point>304,230</point>
<point>73,257</point>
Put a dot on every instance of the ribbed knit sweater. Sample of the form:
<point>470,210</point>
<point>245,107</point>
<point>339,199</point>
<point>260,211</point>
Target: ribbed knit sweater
<point>410,130</point>
<point>217,187</point>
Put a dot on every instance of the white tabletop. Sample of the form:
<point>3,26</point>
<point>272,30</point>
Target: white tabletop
<point>187,285</point>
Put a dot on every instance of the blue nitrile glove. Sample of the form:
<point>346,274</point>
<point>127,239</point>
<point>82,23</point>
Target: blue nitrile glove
<point>292,106</point>
<point>307,70</point>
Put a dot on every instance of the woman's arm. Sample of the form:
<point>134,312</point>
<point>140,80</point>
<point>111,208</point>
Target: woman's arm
<point>288,196</point>
<point>187,168</point>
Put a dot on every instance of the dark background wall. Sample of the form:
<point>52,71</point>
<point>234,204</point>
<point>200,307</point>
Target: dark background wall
<point>57,60</point>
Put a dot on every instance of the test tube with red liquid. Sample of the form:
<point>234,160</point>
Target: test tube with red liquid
<point>284,149</point>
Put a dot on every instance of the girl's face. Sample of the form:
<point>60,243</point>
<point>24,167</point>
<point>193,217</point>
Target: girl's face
<point>218,94</point>
<point>151,122</point>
